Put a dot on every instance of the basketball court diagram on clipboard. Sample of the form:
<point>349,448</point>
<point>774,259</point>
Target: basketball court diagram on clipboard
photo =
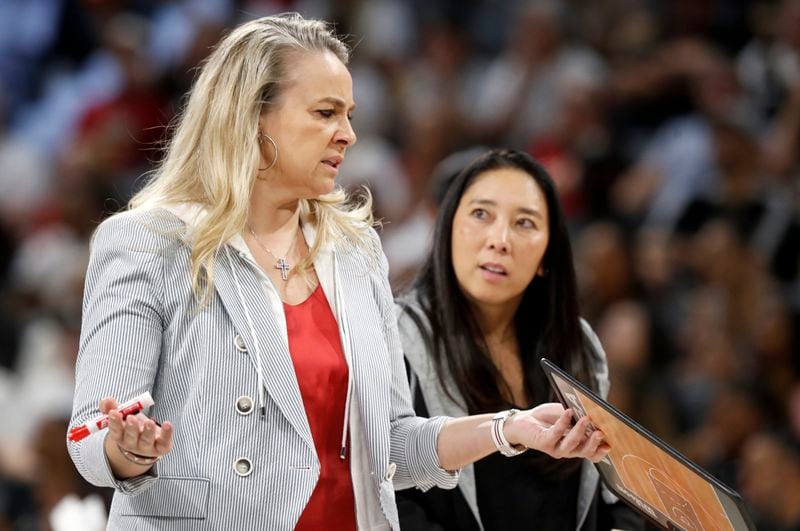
<point>648,474</point>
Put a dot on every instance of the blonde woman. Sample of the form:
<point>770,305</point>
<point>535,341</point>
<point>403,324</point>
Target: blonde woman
<point>250,298</point>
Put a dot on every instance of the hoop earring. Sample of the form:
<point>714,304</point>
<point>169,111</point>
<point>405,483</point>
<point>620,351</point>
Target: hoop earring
<point>261,138</point>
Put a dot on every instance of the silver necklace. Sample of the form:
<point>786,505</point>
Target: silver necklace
<point>281,263</point>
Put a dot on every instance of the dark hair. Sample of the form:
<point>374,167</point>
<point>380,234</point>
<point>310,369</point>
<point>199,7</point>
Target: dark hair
<point>547,321</point>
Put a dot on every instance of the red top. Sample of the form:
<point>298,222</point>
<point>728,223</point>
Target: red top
<point>321,370</point>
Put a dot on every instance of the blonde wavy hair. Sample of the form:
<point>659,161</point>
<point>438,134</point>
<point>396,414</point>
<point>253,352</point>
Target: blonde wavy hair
<point>213,157</point>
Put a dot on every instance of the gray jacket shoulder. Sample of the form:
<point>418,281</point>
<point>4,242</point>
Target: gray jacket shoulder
<point>140,230</point>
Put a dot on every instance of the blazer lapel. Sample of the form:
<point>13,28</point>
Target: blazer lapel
<point>277,368</point>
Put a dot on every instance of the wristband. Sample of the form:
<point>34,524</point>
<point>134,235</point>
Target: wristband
<point>499,438</point>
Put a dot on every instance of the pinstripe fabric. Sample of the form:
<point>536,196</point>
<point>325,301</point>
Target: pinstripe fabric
<point>141,331</point>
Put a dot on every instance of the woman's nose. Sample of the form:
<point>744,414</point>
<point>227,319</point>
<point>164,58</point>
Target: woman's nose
<point>498,238</point>
<point>346,135</point>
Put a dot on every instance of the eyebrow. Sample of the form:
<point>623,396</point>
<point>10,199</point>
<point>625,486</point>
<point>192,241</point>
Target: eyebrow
<point>524,210</point>
<point>337,102</point>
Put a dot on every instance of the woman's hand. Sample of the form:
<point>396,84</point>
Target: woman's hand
<point>134,443</point>
<point>548,428</point>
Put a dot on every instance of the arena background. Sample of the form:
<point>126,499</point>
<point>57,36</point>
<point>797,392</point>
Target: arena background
<point>672,128</point>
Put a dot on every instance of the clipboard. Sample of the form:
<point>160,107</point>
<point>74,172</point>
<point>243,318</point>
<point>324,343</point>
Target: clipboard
<point>649,475</point>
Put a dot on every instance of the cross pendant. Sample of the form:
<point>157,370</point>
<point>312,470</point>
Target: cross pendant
<point>284,267</point>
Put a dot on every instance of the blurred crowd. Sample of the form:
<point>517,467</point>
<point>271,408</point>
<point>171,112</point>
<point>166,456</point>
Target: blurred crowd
<point>672,128</point>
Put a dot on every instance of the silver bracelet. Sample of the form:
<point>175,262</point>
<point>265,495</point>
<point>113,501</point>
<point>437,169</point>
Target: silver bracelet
<point>499,438</point>
<point>142,460</point>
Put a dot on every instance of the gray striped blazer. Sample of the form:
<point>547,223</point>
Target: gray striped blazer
<point>142,331</point>
<point>423,376</point>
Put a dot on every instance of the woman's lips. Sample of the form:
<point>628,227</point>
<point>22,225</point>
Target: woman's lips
<point>493,272</point>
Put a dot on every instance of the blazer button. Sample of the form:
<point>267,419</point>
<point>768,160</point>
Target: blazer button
<point>244,405</point>
<point>243,467</point>
<point>239,343</point>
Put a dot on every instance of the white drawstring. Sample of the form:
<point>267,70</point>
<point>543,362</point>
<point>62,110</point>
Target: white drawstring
<point>344,339</point>
<point>343,449</point>
<point>262,408</point>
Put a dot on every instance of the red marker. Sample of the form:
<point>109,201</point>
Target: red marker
<point>131,407</point>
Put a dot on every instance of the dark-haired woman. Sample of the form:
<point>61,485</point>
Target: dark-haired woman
<point>496,294</point>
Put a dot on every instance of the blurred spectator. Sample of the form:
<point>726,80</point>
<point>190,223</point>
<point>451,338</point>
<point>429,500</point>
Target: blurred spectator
<point>793,407</point>
<point>625,331</point>
<point>62,489</point>
<point>114,137</point>
<point>656,270</point>
<point>769,66</point>
<point>708,358</point>
<point>770,480</point>
<point>407,244</point>
<point>521,93</point>
<point>781,143</point>
<point>715,445</point>
<point>603,267</point>
<point>31,31</point>
<point>678,164</point>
